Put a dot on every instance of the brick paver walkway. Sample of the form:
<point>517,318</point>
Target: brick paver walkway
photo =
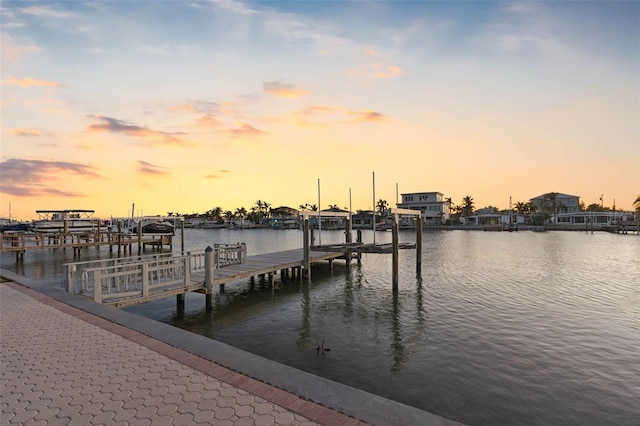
<point>61,365</point>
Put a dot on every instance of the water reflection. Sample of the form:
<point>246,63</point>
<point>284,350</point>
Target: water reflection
<point>304,330</point>
<point>397,347</point>
<point>500,328</point>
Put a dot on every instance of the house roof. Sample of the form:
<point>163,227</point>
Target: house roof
<point>558,195</point>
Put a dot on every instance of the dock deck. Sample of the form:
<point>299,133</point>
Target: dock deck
<point>143,280</point>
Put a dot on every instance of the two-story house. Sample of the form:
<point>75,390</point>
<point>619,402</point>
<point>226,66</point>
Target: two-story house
<point>433,206</point>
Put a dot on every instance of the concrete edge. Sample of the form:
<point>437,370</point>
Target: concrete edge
<point>350,401</point>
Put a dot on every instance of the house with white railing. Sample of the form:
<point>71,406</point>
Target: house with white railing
<point>434,207</point>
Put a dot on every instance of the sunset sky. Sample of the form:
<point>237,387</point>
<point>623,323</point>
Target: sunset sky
<point>182,106</point>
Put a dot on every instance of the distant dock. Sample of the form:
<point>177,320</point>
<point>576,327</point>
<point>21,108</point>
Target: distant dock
<point>22,242</point>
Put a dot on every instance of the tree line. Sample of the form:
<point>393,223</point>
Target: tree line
<point>262,210</point>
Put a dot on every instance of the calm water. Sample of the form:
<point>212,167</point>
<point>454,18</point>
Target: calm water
<point>499,329</point>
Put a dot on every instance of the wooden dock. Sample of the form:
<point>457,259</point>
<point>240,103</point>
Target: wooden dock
<point>143,279</point>
<point>22,242</point>
<point>127,281</point>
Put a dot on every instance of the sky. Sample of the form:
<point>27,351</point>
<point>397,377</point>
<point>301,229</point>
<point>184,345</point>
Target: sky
<point>184,106</point>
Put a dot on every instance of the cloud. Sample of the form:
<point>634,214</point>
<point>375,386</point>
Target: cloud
<point>369,51</point>
<point>376,71</point>
<point>367,116</point>
<point>29,178</point>
<point>47,12</point>
<point>113,125</point>
<point>236,7</point>
<point>183,108</point>
<point>217,176</point>
<point>28,82</point>
<point>12,51</point>
<point>245,129</point>
<point>151,169</point>
<point>282,89</point>
<point>321,115</point>
<point>26,132</point>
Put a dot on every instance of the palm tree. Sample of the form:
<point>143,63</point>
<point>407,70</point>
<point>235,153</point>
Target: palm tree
<point>551,206</point>
<point>263,208</point>
<point>381,206</point>
<point>307,206</point>
<point>467,205</point>
<point>450,204</point>
<point>240,212</point>
<point>636,204</point>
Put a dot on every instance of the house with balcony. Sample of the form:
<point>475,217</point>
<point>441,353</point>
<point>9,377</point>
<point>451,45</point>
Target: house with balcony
<point>434,207</point>
<point>556,202</point>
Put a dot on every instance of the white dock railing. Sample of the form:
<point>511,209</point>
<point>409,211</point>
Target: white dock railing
<point>141,276</point>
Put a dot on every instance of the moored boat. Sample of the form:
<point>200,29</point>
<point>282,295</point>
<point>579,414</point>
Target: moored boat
<point>71,221</point>
<point>154,226</point>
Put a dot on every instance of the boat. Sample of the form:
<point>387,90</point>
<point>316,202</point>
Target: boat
<point>71,221</point>
<point>154,226</point>
<point>10,225</point>
<point>241,224</point>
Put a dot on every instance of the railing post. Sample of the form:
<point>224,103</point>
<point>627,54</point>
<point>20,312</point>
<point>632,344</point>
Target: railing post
<point>71,278</point>
<point>97,286</point>
<point>208,277</point>
<point>187,270</point>
<point>145,280</point>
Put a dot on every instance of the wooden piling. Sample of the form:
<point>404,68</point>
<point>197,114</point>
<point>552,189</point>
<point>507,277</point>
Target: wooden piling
<point>395,255</point>
<point>208,278</point>
<point>306,248</point>
<point>418,245</point>
<point>180,302</point>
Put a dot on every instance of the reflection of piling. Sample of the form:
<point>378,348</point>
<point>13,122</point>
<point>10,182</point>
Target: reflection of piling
<point>419,245</point>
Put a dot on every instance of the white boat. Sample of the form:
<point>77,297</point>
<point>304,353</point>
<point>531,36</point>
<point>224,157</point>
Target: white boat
<point>71,221</point>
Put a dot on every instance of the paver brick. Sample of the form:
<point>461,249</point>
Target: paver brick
<point>183,419</point>
<point>264,420</point>
<point>224,413</point>
<point>203,416</point>
<point>67,370</point>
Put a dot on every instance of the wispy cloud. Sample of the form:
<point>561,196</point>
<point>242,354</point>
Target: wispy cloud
<point>151,169</point>
<point>322,115</point>
<point>48,12</point>
<point>376,71</point>
<point>217,175</point>
<point>146,135</point>
<point>28,178</point>
<point>11,51</point>
<point>236,7</point>
<point>26,132</point>
<point>244,129</point>
<point>366,116</point>
<point>283,90</point>
<point>28,82</point>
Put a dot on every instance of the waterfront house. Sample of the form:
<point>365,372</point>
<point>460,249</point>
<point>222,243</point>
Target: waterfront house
<point>593,218</point>
<point>362,219</point>
<point>433,206</point>
<point>556,202</point>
